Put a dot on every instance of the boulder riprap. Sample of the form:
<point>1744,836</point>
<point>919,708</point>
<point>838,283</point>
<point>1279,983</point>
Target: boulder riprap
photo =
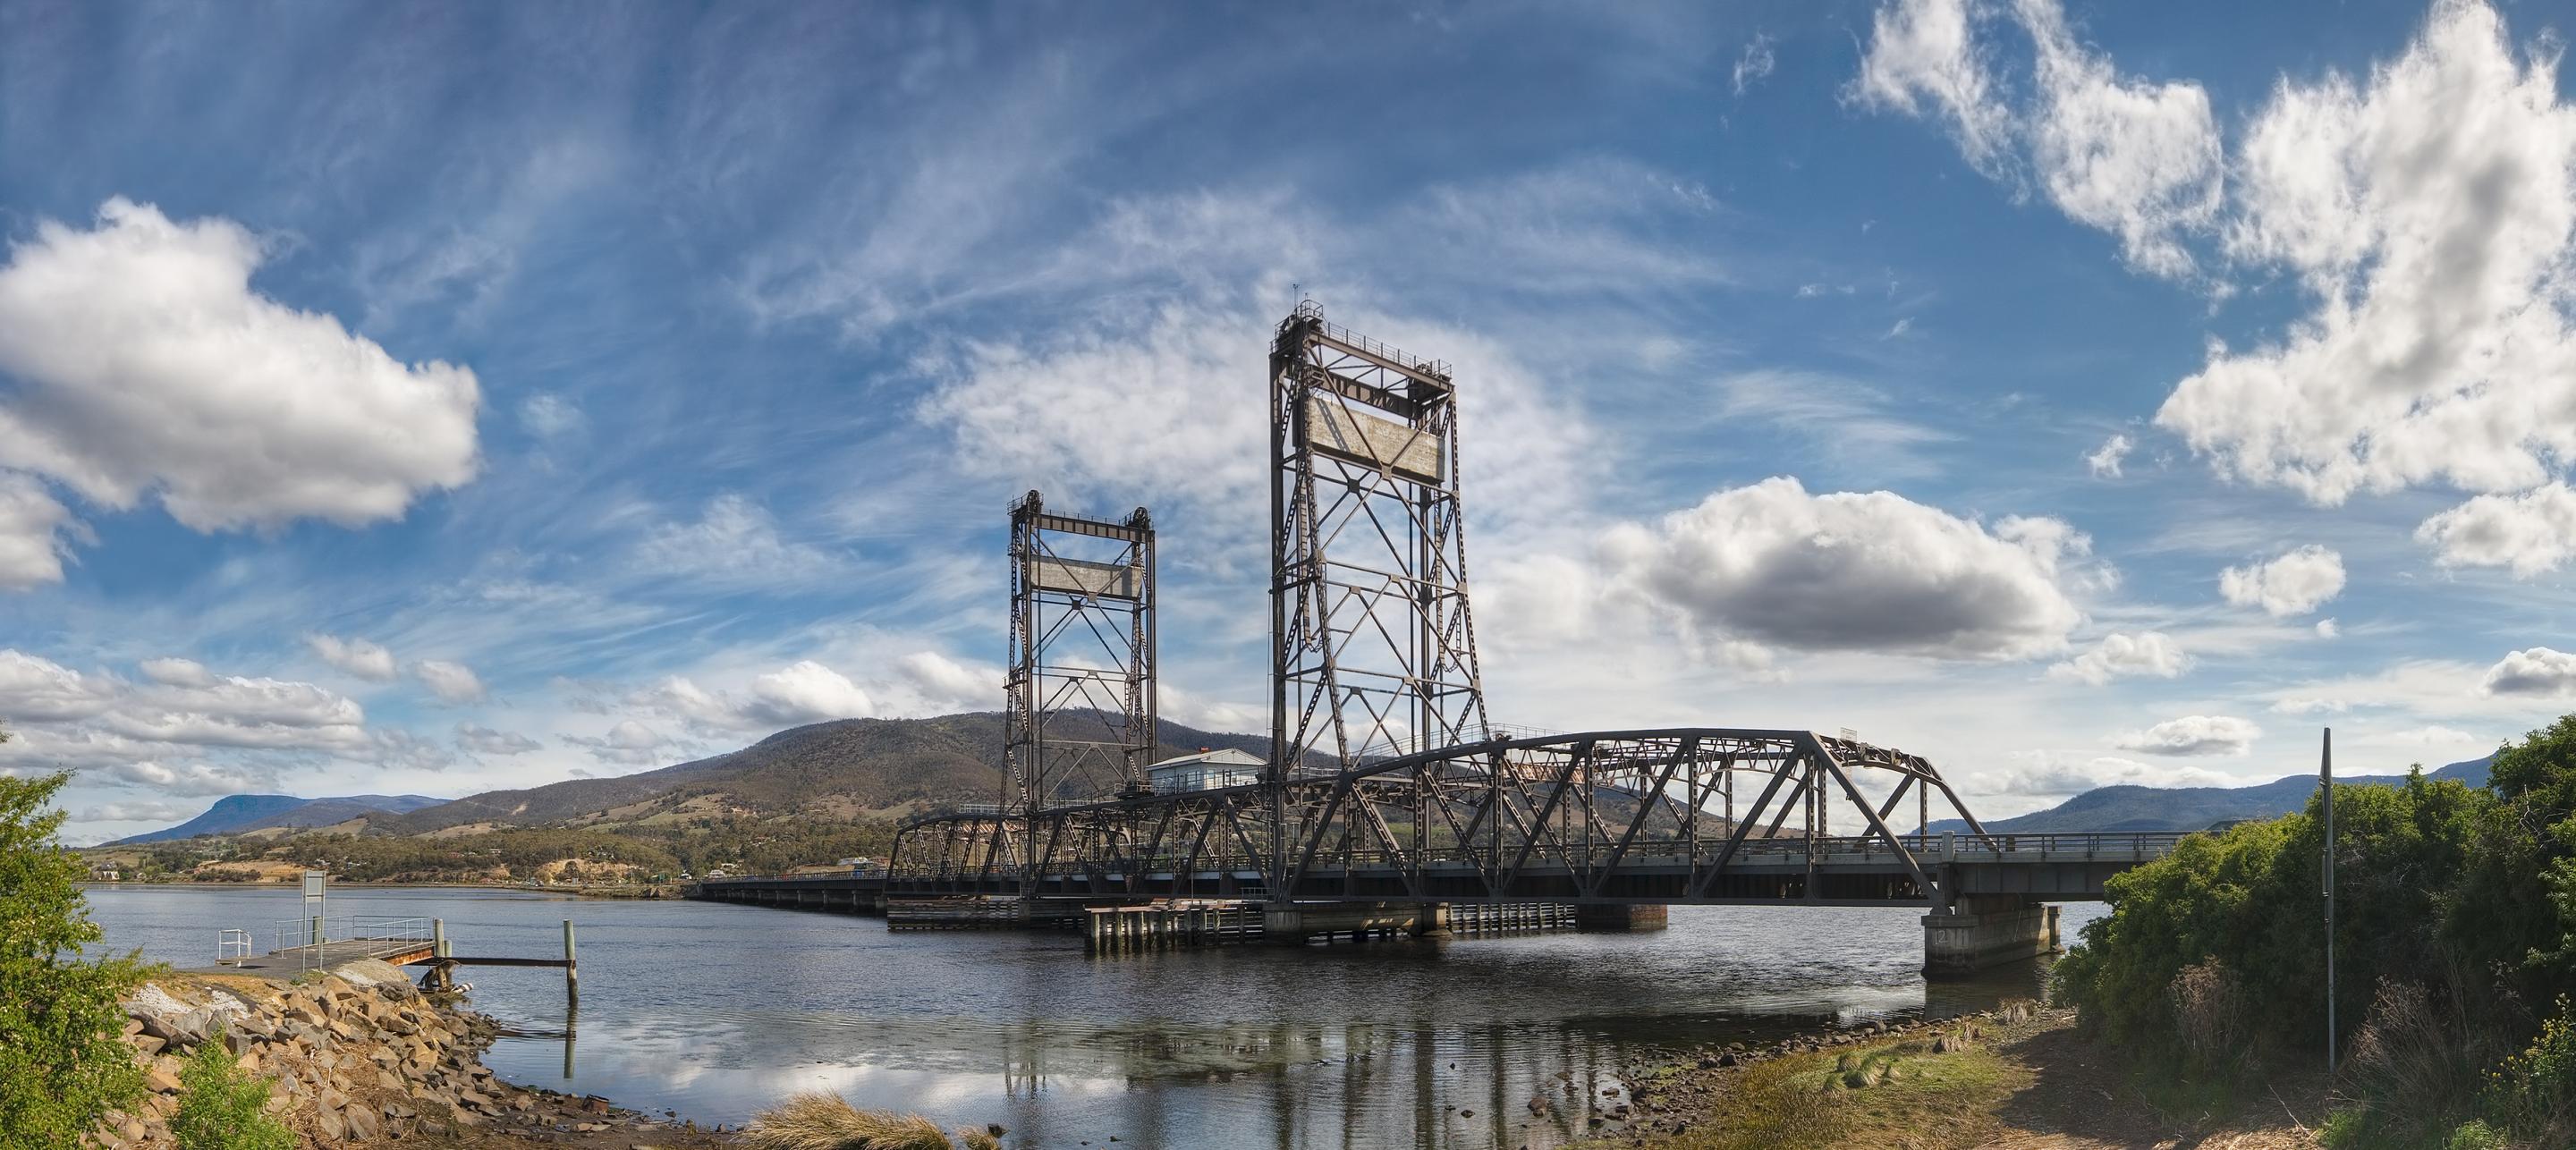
<point>355,1054</point>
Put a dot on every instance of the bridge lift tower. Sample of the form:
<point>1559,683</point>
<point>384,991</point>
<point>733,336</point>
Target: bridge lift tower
<point>1373,648</point>
<point>1081,697</point>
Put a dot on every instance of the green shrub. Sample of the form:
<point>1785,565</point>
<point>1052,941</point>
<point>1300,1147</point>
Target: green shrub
<point>2533,1091</point>
<point>2345,1129</point>
<point>221,1108</point>
<point>2475,1135</point>
<point>63,1059</point>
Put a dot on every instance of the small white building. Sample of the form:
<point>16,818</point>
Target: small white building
<point>1204,771</point>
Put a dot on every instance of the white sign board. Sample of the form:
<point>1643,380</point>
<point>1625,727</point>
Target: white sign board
<point>314,881</point>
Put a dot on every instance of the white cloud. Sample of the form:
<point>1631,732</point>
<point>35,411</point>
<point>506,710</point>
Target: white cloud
<point>177,672</point>
<point>2293,583</point>
<point>451,682</point>
<point>2051,774</point>
<point>2433,735</point>
<point>547,415</point>
<point>1923,61</point>
<point>1755,63</point>
<point>147,365</point>
<point>196,779</point>
<point>1774,565</point>
<point>945,684</point>
<point>32,524</point>
<point>737,542</point>
<point>138,811</point>
<point>398,749</point>
<point>2532,671</point>
<point>355,656</point>
<point>486,741</point>
<point>2326,629</point>
<point>2147,653</point>
<point>2105,460</point>
<point>36,689</point>
<point>2193,735</point>
<point>628,742</point>
<point>2532,533</point>
<point>806,692</point>
<point>2310,705</point>
<point>2141,161</point>
<point>802,692</point>
<point>2428,212</point>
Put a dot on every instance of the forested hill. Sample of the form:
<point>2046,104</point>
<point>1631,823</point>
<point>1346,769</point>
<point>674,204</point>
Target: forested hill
<point>2134,808</point>
<point>848,768</point>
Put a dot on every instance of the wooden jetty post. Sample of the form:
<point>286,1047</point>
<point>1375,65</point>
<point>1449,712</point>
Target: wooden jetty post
<point>438,938</point>
<point>572,972</point>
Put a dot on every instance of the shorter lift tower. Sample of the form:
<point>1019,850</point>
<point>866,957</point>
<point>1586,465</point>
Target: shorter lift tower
<point>1081,684</point>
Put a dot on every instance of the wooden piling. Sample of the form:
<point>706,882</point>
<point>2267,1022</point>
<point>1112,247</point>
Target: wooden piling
<point>572,972</point>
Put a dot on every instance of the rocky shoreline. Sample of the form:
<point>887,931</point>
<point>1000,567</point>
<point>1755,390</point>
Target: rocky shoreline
<point>1665,1100</point>
<point>355,1055</point>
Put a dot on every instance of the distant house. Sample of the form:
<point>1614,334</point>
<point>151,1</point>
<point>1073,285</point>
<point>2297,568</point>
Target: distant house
<point>1204,771</point>
<point>105,872</point>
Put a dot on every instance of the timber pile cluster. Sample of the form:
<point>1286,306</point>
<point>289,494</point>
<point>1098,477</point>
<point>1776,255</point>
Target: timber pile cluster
<point>354,1055</point>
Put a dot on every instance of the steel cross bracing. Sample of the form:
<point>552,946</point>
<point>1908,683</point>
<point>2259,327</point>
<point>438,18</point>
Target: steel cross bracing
<point>1080,715</point>
<point>1695,815</point>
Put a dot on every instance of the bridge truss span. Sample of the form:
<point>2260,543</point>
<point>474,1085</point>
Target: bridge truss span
<point>1678,815</point>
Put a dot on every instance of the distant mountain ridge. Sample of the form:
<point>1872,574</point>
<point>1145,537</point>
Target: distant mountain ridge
<point>235,814</point>
<point>843,768</point>
<point>2136,808</point>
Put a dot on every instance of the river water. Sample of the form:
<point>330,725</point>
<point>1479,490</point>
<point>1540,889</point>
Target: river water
<point>714,1010</point>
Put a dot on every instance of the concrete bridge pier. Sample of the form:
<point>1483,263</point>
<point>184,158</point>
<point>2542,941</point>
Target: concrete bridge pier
<point>1292,924</point>
<point>1622,918</point>
<point>1979,931</point>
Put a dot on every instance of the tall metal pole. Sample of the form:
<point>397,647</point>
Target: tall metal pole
<point>2326,773</point>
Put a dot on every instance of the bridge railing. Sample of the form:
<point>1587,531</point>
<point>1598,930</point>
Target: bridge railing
<point>2123,846</point>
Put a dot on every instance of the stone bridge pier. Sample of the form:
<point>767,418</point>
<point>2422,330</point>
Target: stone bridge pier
<point>1983,930</point>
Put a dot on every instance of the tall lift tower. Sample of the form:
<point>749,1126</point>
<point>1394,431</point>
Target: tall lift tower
<point>1373,650</point>
<point>1080,725</point>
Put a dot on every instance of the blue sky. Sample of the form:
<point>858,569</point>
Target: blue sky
<point>434,398</point>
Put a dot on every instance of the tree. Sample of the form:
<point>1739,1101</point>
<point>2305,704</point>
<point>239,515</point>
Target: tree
<point>63,1059</point>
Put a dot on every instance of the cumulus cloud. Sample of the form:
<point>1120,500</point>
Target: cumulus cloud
<point>356,656</point>
<point>2293,583</point>
<point>146,364</point>
<point>2428,212</point>
<point>2537,671</point>
<point>197,779</point>
<point>2049,773</point>
<point>736,541</point>
<point>2193,735</point>
<point>945,683</point>
<point>628,742</point>
<point>32,526</point>
<point>2139,160</point>
<point>1923,60</point>
<point>1774,565</point>
<point>2532,533</point>
<point>2147,653</point>
<point>2142,161</point>
<point>486,741</point>
<point>799,693</point>
<point>137,811</point>
<point>451,682</point>
<point>2105,460</point>
<point>177,672</point>
<point>393,747</point>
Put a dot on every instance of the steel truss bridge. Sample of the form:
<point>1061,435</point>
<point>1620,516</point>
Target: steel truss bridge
<point>1387,783</point>
<point>1688,815</point>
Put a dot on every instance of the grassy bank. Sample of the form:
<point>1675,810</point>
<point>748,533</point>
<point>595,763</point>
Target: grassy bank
<point>2018,1078</point>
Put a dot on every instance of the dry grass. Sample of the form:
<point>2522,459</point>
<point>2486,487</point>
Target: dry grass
<point>819,1121</point>
<point>1889,1094</point>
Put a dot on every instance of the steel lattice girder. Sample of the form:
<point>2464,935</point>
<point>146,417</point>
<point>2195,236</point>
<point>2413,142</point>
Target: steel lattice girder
<point>1580,816</point>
